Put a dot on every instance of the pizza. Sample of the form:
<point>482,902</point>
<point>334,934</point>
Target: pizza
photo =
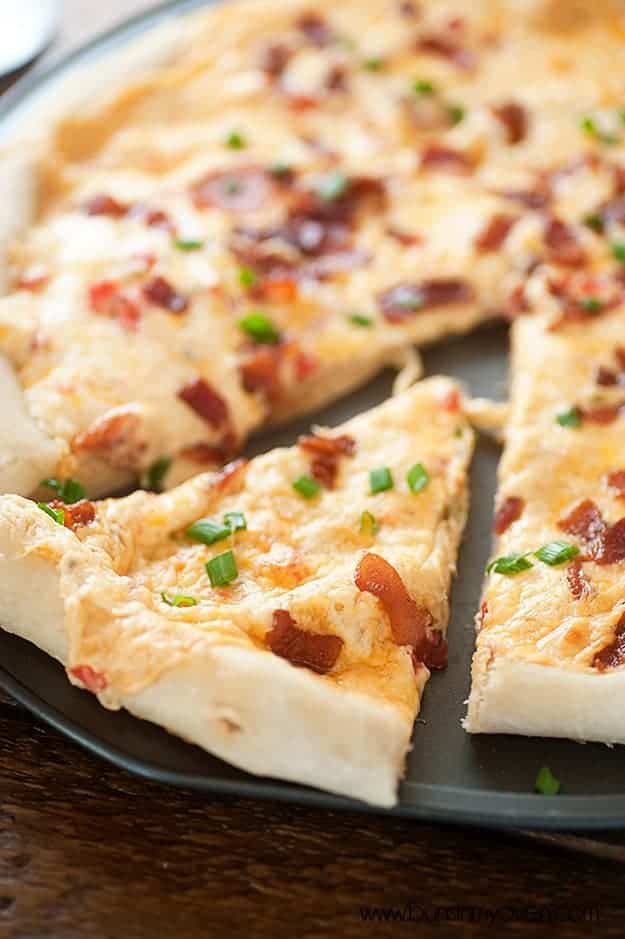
<point>551,639</point>
<point>283,613</point>
<point>276,204</point>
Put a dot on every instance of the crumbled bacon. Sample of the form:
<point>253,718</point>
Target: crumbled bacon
<point>410,623</point>
<point>613,211</point>
<point>304,364</point>
<point>437,157</point>
<point>408,9</point>
<point>102,204</point>
<point>508,512</point>
<point>403,300</point>
<point>314,28</point>
<point>483,613</point>
<point>301,647</point>
<point>431,652</point>
<point>274,59</point>
<point>91,678</point>
<point>574,289</point>
<point>516,302</point>
<point>161,293</point>
<point>231,475</point>
<point>260,371</point>
<point>612,655</point>
<point>603,543</point>
<point>451,400</point>
<point>205,401</point>
<point>336,78</point>
<point>616,481</point>
<point>115,437</point>
<point>495,232</point>
<point>602,413</point>
<point>449,48</point>
<point>325,455</point>
<point>513,117</point>
<point>562,243</point>
<point>578,583</point>
<point>405,238</point>
<point>108,299</point>
<point>239,190</point>
<point>75,514</point>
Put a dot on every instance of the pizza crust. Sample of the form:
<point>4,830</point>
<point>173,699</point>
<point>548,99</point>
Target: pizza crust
<point>510,696</point>
<point>301,728</point>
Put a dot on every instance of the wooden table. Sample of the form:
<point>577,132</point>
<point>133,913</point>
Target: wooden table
<point>87,850</point>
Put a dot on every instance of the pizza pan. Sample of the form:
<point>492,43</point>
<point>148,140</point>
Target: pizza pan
<point>451,776</point>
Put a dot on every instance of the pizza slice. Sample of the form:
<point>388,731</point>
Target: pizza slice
<point>284,613</point>
<point>551,629</point>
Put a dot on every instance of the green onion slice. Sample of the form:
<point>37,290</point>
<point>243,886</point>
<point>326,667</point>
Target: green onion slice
<point>570,418</point>
<point>546,783</point>
<point>556,552</point>
<point>68,490</point>
<point>157,472</point>
<point>260,328</point>
<point>57,514</point>
<point>368,524</point>
<point>509,564</point>
<point>222,569</point>
<point>208,531</point>
<point>380,479</point>
<point>177,599</point>
<point>307,487</point>
<point>188,244</point>
<point>235,521</point>
<point>417,478</point>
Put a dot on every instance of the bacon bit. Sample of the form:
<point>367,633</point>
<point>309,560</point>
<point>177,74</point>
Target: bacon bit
<point>205,401</point>
<point>301,102</point>
<point>303,648</point>
<point>153,218</point>
<point>508,512</point>
<point>91,678</point>
<point>446,159</point>
<point>495,232</point>
<point>336,79</point>
<point>107,299</point>
<point>481,616</point>
<point>161,293</point>
<point>616,480</point>
<point>613,212</point>
<point>432,652</point>
<point>612,655</point>
<point>538,198</point>
<point>114,437</point>
<point>404,300</point>
<point>77,514</point>
<point>618,178</point>
<point>274,59</point>
<point>586,522</point>
<point>573,289</point>
<point>102,204</point>
<point>603,413</point>
<point>409,622</point>
<point>33,278</point>
<point>280,290</point>
<point>578,583</point>
<point>408,9</point>
<point>614,544</point>
<point>562,244</point>
<point>451,400</point>
<point>326,452</point>
<point>405,238</point>
<point>315,29</point>
<point>240,190</point>
<point>231,475</point>
<point>605,377</point>
<point>448,48</point>
<point>304,365</point>
<point>513,118</point>
<point>260,371</point>
<point>516,302</point>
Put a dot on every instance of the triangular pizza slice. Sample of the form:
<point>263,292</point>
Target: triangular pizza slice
<point>284,613</point>
<point>551,640</point>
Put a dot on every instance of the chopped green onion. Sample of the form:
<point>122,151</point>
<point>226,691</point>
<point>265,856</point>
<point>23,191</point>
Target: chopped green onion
<point>235,140</point>
<point>456,113</point>
<point>359,319</point>
<point>222,569</point>
<point>380,479</point>
<point>332,186</point>
<point>373,64</point>
<point>423,87</point>
<point>235,521</point>
<point>307,487</point>
<point>57,514</point>
<point>618,250</point>
<point>591,304</point>
<point>247,277</point>
<point>368,524</point>
<point>157,472</point>
<point>590,127</point>
<point>68,491</point>
<point>188,244</point>
<point>260,328</point>
<point>417,478</point>
<point>570,418</point>
<point>556,552</point>
<point>546,783</point>
<point>177,599</point>
<point>207,531</point>
<point>595,221</point>
<point>509,564</point>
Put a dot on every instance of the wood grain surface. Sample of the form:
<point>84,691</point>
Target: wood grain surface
<point>87,850</point>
